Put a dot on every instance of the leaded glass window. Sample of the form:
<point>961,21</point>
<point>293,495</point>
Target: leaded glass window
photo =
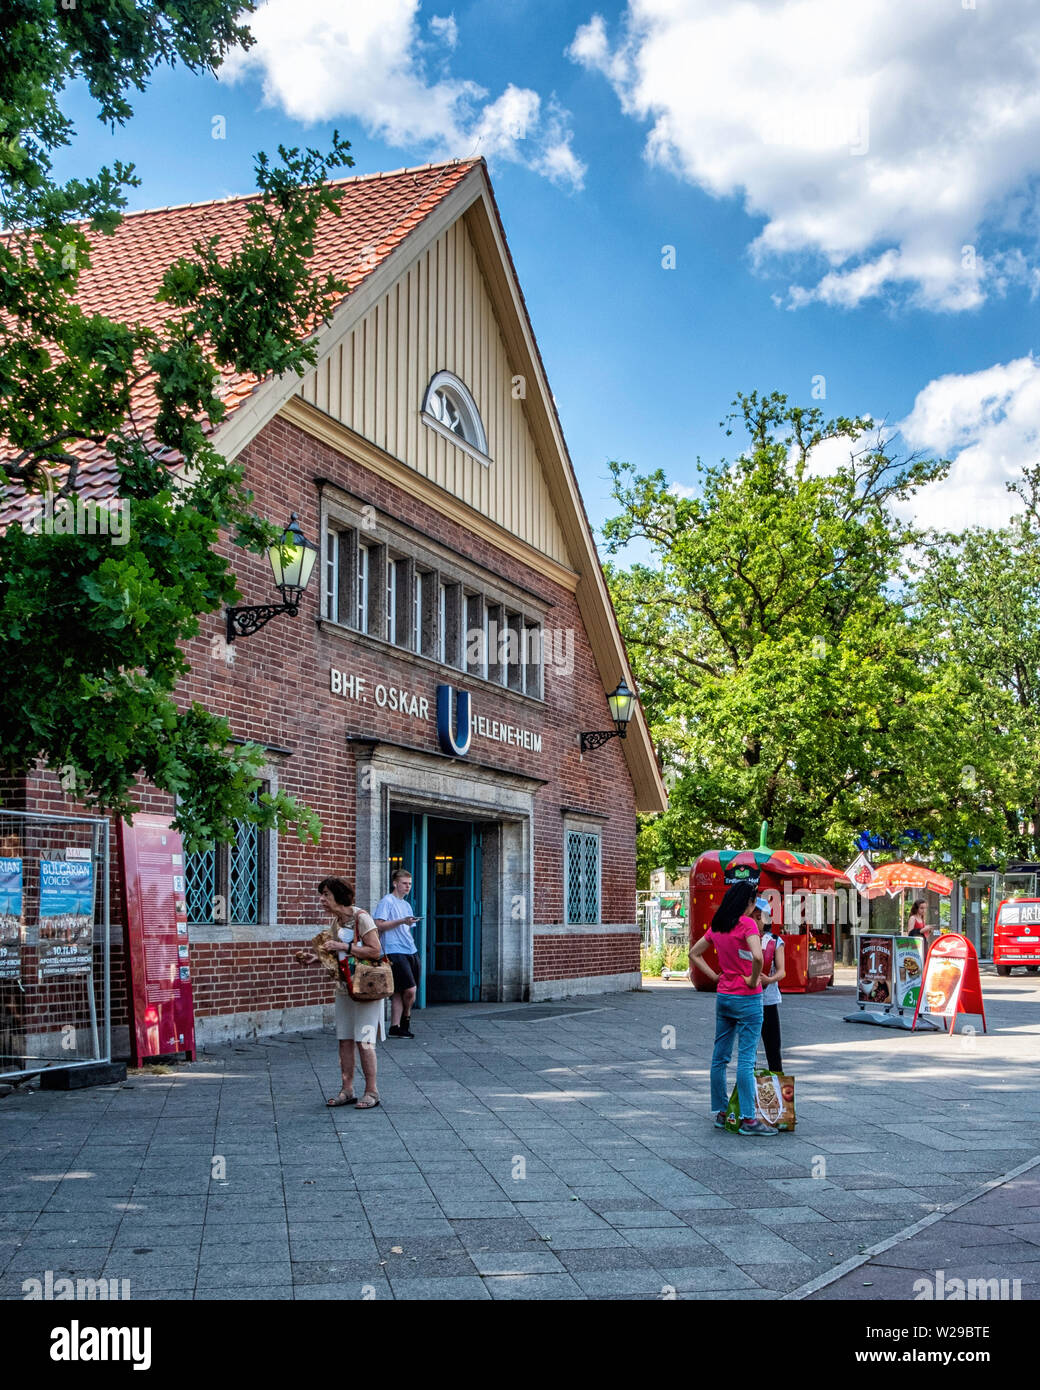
<point>224,883</point>
<point>200,884</point>
<point>244,873</point>
<point>582,877</point>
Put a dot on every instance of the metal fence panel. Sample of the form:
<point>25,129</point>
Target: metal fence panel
<point>55,985</point>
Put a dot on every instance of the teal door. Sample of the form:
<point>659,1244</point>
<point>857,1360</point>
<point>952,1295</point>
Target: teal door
<point>453,897</point>
<point>445,858</point>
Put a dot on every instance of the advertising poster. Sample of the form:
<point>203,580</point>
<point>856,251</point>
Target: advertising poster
<point>943,978</point>
<point>156,917</point>
<point>908,973</point>
<point>11,919</point>
<point>66,931</point>
<point>874,981</point>
<point>821,962</point>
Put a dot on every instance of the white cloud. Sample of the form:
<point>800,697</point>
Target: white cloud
<point>988,422</point>
<point>446,29</point>
<point>323,59</point>
<point>892,147</point>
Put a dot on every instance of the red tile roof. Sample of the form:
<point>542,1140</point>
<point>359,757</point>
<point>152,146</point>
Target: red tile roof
<point>377,213</point>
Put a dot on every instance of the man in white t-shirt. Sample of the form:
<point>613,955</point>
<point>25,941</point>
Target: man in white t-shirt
<point>394,918</point>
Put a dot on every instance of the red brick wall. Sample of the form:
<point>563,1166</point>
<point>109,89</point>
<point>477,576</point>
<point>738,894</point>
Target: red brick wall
<point>277,692</point>
<point>236,977</point>
<point>566,957</point>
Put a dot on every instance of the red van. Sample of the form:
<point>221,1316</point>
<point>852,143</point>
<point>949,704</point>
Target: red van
<point>1016,935</point>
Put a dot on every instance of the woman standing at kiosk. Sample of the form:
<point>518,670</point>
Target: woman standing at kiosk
<point>917,925</point>
<point>738,1004</point>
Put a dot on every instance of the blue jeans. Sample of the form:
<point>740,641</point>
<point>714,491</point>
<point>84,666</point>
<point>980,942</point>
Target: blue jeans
<point>740,1015</point>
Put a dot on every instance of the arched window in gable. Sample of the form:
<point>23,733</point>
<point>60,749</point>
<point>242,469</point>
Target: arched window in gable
<point>449,408</point>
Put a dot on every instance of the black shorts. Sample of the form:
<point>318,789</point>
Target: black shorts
<point>407,971</point>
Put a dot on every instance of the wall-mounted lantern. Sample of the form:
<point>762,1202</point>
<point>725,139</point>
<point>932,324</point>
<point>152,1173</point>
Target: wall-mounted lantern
<point>292,562</point>
<point>622,703</point>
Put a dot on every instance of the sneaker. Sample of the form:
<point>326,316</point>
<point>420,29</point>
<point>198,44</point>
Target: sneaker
<point>394,1031</point>
<point>405,1030</point>
<point>720,1120</point>
<point>757,1129</point>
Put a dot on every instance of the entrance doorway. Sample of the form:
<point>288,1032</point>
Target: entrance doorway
<point>446,860</point>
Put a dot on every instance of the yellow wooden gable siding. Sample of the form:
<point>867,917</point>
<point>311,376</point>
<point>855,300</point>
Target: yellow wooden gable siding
<point>438,316</point>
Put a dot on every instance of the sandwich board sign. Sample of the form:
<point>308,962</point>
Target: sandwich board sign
<point>952,984</point>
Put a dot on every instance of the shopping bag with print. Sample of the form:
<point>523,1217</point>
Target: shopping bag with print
<point>774,1102</point>
<point>774,1099</point>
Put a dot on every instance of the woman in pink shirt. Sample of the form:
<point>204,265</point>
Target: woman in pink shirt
<point>738,1004</point>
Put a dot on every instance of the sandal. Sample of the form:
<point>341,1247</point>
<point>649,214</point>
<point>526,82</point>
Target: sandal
<point>342,1099</point>
<point>368,1102</point>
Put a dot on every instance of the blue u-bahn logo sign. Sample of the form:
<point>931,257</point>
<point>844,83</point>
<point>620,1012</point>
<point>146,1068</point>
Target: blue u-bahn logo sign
<point>454,729</point>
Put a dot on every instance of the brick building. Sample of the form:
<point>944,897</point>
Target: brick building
<point>424,457</point>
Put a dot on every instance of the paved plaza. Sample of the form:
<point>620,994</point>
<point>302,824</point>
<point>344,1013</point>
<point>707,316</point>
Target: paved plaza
<point>540,1152</point>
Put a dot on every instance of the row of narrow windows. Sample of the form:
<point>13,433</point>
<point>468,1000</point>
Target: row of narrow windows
<point>385,593</point>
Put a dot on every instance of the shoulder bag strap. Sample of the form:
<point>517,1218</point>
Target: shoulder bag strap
<point>361,931</point>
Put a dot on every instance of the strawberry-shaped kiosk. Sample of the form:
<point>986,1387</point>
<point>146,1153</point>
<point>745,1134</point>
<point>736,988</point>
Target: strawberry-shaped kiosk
<point>808,896</point>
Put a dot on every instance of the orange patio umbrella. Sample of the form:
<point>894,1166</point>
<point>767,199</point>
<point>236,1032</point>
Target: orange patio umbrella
<point>898,877</point>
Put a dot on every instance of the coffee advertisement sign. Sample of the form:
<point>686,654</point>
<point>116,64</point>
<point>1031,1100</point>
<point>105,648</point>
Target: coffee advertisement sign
<point>876,959</point>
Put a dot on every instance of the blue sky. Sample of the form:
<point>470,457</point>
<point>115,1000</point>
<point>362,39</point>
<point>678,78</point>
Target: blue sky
<point>819,182</point>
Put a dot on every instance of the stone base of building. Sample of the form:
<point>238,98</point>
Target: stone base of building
<point>585,984</point>
<point>260,1023</point>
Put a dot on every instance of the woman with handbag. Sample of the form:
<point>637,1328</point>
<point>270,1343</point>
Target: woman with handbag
<point>357,1020</point>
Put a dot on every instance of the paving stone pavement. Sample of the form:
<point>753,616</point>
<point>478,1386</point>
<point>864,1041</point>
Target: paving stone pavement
<point>991,1244</point>
<point>538,1153</point>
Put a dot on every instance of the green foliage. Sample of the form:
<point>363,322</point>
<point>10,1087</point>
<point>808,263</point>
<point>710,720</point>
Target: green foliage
<point>111,45</point>
<point>651,960</point>
<point>93,632</point>
<point>654,960</point>
<point>978,594</point>
<point>784,670</point>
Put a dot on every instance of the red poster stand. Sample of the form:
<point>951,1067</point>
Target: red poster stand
<point>155,913</point>
<point>952,984</point>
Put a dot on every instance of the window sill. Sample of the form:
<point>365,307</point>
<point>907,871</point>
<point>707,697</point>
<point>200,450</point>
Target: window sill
<point>434,424</point>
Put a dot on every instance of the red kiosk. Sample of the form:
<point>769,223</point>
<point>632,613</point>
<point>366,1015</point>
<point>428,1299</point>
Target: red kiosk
<point>797,886</point>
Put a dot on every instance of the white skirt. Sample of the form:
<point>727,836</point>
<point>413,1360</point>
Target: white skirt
<point>358,1020</point>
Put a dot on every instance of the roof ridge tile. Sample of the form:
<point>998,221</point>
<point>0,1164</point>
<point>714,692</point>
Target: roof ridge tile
<point>335,183</point>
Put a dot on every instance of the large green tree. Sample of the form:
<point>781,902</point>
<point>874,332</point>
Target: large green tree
<point>978,595</point>
<point>784,671</point>
<point>93,633</point>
